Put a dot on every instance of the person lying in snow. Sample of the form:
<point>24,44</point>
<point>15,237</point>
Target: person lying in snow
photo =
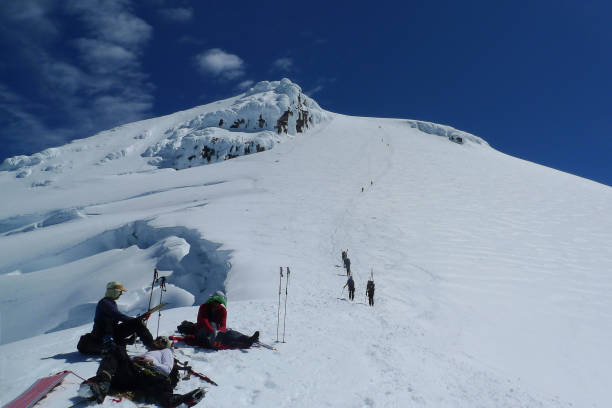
<point>151,377</point>
<point>210,331</point>
<point>110,325</point>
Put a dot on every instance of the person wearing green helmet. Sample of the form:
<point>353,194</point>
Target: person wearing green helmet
<point>211,330</point>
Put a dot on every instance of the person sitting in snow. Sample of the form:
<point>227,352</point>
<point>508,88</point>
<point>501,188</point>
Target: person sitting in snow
<point>151,377</point>
<point>110,325</point>
<point>211,331</point>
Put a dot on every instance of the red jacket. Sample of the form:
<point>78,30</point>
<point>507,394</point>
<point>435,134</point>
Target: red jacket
<point>211,312</point>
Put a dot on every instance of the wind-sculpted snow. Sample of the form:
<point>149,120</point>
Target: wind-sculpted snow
<point>195,268</point>
<point>263,116</point>
<point>25,223</point>
<point>187,148</point>
<point>278,106</point>
<point>446,131</point>
<point>18,162</point>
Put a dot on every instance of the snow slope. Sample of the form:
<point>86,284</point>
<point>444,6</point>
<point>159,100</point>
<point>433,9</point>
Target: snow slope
<point>492,273</point>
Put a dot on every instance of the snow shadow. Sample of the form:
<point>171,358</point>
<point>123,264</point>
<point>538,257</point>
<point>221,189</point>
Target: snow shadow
<point>197,265</point>
<point>30,222</point>
<point>73,357</point>
<point>77,316</point>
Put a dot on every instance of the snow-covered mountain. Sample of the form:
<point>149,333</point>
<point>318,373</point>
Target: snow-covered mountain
<point>492,273</point>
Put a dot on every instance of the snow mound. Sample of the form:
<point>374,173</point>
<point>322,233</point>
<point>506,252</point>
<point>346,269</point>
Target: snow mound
<point>446,131</point>
<point>18,162</point>
<point>266,114</point>
<point>187,148</point>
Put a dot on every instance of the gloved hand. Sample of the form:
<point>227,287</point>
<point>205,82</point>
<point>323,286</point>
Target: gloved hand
<point>212,336</point>
<point>146,316</point>
<point>108,343</point>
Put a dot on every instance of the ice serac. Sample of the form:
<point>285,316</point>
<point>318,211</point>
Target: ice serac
<point>266,114</point>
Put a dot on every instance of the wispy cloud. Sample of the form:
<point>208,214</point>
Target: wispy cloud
<point>179,14</point>
<point>220,64</point>
<point>315,90</point>
<point>244,85</point>
<point>112,21</point>
<point>104,57</point>
<point>105,85</point>
<point>320,84</point>
<point>283,64</point>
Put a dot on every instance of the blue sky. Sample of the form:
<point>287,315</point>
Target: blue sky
<point>534,80</point>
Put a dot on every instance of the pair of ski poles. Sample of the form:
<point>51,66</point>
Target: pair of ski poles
<point>162,289</point>
<point>280,284</point>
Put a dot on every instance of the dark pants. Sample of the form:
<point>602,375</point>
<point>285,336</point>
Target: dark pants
<point>125,329</point>
<point>351,293</point>
<point>371,300</point>
<point>125,375</point>
<point>229,339</point>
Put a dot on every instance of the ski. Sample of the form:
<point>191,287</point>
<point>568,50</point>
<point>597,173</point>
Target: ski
<point>264,345</point>
<point>153,310</point>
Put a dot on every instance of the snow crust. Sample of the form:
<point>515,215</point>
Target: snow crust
<point>492,273</point>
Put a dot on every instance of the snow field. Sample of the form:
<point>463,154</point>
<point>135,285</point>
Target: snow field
<point>492,273</point>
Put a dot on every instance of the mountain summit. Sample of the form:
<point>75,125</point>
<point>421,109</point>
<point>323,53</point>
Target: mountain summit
<point>492,273</point>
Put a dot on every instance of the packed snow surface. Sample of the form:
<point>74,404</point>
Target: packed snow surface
<point>492,273</point>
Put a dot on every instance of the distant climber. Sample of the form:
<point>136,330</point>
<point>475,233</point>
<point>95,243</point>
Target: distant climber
<point>151,376</point>
<point>370,292</point>
<point>210,331</point>
<point>344,255</point>
<point>347,266</point>
<point>351,287</point>
<point>112,326</point>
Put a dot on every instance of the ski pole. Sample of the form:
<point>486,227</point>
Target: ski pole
<point>184,366</point>
<point>155,274</point>
<point>162,289</point>
<point>279,296</point>
<point>203,377</point>
<point>286,293</point>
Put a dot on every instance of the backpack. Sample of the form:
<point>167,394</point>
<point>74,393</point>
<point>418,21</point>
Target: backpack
<point>186,327</point>
<point>90,345</point>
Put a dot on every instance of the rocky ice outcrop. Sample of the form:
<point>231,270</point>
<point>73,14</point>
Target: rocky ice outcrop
<point>186,147</point>
<point>278,106</point>
<point>446,131</point>
<point>266,114</point>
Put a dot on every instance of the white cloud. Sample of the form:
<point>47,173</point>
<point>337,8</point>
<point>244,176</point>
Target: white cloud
<point>31,15</point>
<point>244,85</point>
<point>283,64</point>
<point>112,21</point>
<point>104,87</point>
<point>104,57</point>
<point>220,64</point>
<point>179,14</point>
